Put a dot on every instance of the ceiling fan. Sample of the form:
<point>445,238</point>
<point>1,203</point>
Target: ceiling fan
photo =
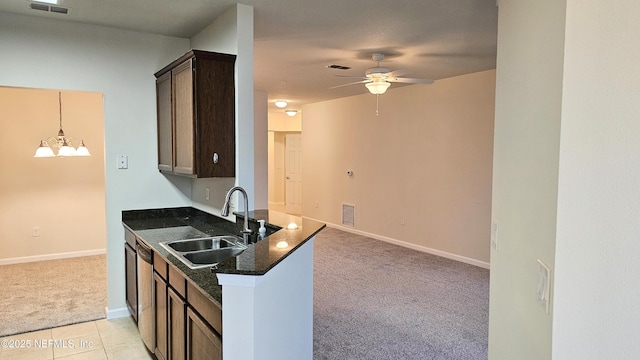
<point>378,79</point>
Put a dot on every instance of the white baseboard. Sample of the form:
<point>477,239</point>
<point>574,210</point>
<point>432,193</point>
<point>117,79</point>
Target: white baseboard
<point>421,248</point>
<point>117,313</point>
<point>26,259</point>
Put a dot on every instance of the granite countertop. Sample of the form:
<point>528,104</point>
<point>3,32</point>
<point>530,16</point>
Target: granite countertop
<point>154,226</point>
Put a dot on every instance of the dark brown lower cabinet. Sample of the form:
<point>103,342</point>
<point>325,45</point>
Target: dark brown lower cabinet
<point>160,299</point>
<point>202,341</point>
<point>176,308</point>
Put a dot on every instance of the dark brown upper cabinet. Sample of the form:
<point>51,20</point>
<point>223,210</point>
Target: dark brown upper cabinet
<point>196,115</point>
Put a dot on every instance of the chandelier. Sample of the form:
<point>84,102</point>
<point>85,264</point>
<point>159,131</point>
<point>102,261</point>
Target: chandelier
<point>61,142</point>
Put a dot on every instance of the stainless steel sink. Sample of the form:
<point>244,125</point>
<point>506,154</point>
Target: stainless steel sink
<point>207,257</point>
<point>217,242</point>
<point>205,252</point>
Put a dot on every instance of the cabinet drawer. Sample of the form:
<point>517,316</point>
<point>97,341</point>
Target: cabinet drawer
<point>177,282</point>
<point>159,265</point>
<point>209,311</point>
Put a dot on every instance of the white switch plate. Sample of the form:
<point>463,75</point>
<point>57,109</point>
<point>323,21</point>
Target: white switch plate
<point>494,236</point>
<point>206,193</point>
<point>123,162</point>
<point>543,291</point>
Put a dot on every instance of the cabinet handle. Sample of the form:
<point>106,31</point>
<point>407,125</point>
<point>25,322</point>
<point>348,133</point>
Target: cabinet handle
<point>215,158</point>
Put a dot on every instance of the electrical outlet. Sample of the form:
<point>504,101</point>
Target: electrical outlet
<point>543,291</point>
<point>35,231</point>
<point>494,236</point>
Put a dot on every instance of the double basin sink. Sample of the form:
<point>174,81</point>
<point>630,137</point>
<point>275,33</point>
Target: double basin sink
<point>205,252</point>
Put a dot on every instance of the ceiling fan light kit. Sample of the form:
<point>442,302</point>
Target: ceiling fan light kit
<point>377,87</point>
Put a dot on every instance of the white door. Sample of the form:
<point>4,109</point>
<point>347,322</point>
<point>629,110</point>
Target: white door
<point>293,173</point>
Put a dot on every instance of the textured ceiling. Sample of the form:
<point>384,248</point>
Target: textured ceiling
<point>295,40</point>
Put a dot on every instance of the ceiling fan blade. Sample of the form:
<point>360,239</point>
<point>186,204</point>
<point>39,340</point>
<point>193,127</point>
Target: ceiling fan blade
<point>396,73</point>
<point>351,76</point>
<point>410,80</point>
<point>353,83</point>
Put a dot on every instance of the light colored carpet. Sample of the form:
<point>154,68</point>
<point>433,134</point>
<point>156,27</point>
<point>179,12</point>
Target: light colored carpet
<point>374,300</point>
<point>45,294</point>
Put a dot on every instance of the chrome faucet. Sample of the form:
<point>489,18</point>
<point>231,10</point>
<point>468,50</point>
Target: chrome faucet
<point>246,232</point>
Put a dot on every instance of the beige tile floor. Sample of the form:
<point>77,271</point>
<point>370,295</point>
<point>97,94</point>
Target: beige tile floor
<point>94,340</point>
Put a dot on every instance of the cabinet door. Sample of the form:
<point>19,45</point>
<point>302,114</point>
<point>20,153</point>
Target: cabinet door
<point>165,122</point>
<point>131,280</point>
<point>182,82</point>
<point>215,118</point>
<point>202,342</point>
<point>160,301</point>
<point>176,325</point>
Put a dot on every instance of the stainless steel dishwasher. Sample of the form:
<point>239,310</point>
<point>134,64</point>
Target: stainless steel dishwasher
<point>145,294</point>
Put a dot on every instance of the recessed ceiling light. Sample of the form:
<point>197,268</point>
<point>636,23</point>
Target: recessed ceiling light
<point>281,104</point>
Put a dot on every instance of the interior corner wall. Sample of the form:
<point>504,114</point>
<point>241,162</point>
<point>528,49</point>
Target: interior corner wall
<point>421,169</point>
<point>529,83</point>
<point>597,287</point>
<point>51,207</point>
<point>232,33</point>
<point>120,64</point>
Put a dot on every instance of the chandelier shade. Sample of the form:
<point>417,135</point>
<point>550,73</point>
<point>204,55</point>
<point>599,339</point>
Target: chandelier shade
<point>63,143</point>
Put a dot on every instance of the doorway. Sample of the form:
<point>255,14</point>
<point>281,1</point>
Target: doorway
<point>52,208</point>
<point>285,172</point>
<point>293,171</point>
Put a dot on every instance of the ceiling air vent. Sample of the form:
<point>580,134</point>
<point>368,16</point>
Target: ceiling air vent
<point>59,10</point>
<point>49,8</point>
<point>339,67</point>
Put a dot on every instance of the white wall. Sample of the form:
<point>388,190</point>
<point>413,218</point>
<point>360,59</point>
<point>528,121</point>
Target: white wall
<point>567,141</point>
<point>525,172</point>
<point>421,169</point>
<point>597,243</point>
<point>121,65</point>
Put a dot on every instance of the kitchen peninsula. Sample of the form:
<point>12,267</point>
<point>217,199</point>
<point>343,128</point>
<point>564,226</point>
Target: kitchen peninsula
<point>267,290</point>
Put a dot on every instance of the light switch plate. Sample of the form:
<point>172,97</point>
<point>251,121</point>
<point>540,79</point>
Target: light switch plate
<point>494,236</point>
<point>543,292</point>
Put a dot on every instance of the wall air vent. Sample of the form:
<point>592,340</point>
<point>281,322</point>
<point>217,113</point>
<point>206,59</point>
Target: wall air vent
<point>339,67</point>
<point>48,8</point>
<point>348,215</point>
